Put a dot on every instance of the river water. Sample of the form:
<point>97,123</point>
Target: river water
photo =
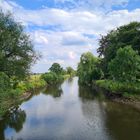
<point>70,112</point>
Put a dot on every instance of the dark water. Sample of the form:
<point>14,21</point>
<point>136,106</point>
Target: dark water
<point>70,112</point>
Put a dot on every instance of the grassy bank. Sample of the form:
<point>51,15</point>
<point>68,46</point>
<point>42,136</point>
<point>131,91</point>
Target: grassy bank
<point>127,90</point>
<point>11,97</point>
<point>22,91</point>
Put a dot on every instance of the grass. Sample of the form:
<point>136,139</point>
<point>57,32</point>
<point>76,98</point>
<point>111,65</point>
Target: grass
<point>126,89</point>
<point>33,82</point>
<point>11,97</point>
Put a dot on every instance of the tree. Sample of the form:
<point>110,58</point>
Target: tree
<point>56,68</point>
<point>125,66</point>
<point>86,68</point>
<point>70,71</point>
<point>119,38</point>
<point>16,50</point>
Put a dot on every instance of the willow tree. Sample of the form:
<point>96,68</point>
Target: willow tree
<point>16,50</point>
<point>88,69</point>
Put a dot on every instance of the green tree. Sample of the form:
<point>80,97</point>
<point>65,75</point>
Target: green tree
<point>70,71</point>
<point>16,50</point>
<point>125,66</point>
<point>56,68</point>
<point>86,68</point>
<point>4,82</point>
<point>52,78</point>
<point>119,38</point>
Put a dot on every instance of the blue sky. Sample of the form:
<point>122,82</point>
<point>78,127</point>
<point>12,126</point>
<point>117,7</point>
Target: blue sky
<point>61,30</point>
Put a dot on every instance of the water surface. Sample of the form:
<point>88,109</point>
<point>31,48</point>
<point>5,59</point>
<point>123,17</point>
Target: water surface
<point>70,112</point>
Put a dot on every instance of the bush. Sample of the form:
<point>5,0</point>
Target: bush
<point>121,87</point>
<point>4,82</point>
<point>52,78</point>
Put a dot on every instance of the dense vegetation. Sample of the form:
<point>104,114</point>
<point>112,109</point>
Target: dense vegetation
<point>17,54</point>
<point>127,35</point>
<point>16,57</point>
<point>118,68</point>
<point>88,69</point>
<point>56,74</point>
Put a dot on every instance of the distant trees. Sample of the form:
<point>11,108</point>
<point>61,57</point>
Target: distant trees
<point>127,35</point>
<point>56,68</point>
<point>16,50</point>
<point>87,68</point>
<point>55,75</point>
<point>125,66</point>
<point>70,71</point>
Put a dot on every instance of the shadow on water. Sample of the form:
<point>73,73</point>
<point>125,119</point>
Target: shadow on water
<point>55,91</point>
<point>14,120</point>
<point>122,121</point>
<point>85,93</point>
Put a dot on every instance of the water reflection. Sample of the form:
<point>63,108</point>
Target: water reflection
<point>86,93</point>
<point>14,120</point>
<point>78,113</point>
<point>122,121</point>
<point>55,91</point>
<point>94,115</point>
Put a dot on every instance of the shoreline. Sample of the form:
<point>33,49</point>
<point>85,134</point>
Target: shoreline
<point>15,102</point>
<point>117,97</point>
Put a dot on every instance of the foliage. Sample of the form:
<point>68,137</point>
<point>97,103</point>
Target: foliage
<point>127,35</point>
<point>125,66</point>
<point>16,50</point>
<point>4,82</point>
<point>33,82</point>
<point>52,78</point>
<point>70,71</point>
<point>56,68</point>
<point>119,87</point>
<point>87,68</point>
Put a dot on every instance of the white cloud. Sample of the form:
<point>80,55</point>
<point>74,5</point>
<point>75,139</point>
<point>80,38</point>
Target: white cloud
<point>68,41</point>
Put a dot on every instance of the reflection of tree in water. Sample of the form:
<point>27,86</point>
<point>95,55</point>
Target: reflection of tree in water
<point>13,120</point>
<point>86,93</point>
<point>93,111</point>
<point>55,90</point>
<point>122,121</point>
<point>70,80</point>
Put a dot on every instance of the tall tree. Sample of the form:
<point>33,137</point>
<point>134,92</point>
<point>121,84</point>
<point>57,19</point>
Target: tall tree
<point>125,66</point>
<point>70,71</point>
<point>56,68</point>
<point>87,67</point>
<point>119,38</point>
<point>16,50</point>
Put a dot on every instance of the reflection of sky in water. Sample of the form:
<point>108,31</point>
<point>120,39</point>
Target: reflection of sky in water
<point>66,117</point>
<point>9,132</point>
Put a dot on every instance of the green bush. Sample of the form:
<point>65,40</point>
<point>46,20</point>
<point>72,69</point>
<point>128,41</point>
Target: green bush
<point>121,87</point>
<point>4,82</point>
<point>52,78</point>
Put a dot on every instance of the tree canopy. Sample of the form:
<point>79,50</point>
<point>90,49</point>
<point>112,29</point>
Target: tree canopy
<point>126,65</point>
<point>87,67</point>
<point>119,38</point>
<point>56,68</point>
<point>16,50</point>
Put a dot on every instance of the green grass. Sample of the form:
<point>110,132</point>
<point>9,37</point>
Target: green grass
<point>11,96</point>
<point>120,87</point>
<point>33,82</point>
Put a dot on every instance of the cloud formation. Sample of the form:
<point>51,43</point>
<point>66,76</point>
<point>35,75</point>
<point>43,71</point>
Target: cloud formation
<point>62,35</point>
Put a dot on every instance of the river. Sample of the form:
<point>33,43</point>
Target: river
<point>70,112</point>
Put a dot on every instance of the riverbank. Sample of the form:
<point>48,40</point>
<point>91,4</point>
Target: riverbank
<point>120,93</point>
<point>23,91</point>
